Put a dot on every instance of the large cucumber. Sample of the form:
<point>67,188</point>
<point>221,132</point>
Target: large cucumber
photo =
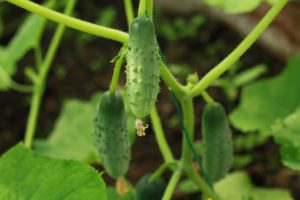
<point>112,137</point>
<point>217,142</point>
<point>142,70</point>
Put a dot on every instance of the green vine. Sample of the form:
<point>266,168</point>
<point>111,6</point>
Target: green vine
<point>189,140</point>
<point>39,86</point>
<point>160,137</point>
<point>10,83</point>
<point>162,169</point>
<point>223,66</point>
<point>129,11</point>
<point>116,74</point>
<point>172,185</point>
<point>149,8</point>
<point>72,22</point>
<point>142,8</point>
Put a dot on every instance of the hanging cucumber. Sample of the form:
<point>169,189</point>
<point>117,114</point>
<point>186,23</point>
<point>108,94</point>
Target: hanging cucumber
<point>146,190</point>
<point>217,142</point>
<point>142,67</point>
<point>112,137</point>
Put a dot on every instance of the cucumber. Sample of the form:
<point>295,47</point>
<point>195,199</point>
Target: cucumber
<point>217,142</point>
<point>112,139</point>
<point>142,70</point>
<point>146,190</point>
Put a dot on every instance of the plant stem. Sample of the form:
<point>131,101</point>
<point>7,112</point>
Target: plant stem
<point>116,74</point>
<point>72,22</point>
<point>172,185</point>
<point>129,11</point>
<point>38,56</point>
<point>142,8</point>
<point>207,98</point>
<point>161,170</point>
<point>189,120</point>
<point>189,142</point>
<point>171,81</point>
<point>40,84</point>
<point>31,74</point>
<point>217,71</point>
<point>199,181</point>
<point>186,156</point>
<point>149,8</point>
<point>160,136</point>
<point>10,83</point>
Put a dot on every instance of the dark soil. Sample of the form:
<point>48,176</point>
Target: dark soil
<point>78,80</point>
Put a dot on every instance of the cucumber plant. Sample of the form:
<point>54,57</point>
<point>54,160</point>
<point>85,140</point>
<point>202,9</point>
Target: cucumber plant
<point>145,67</point>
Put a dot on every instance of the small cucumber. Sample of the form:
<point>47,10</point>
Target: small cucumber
<point>112,139</point>
<point>142,71</point>
<point>146,190</point>
<point>217,142</point>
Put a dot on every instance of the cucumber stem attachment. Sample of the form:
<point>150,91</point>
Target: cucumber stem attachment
<point>115,78</point>
<point>142,8</point>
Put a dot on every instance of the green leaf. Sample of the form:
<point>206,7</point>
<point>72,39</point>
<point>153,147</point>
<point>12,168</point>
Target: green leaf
<point>247,142</point>
<point>240,6</point>
<point>27,37</point>
<point>237,7</point>
<point>188,186</point>
<point>2,51</point>
<point>28,175</point>
<point>265,101</point>
<point>272,2</point>
<point>249,75</point>
<point>216,3</point>
<point>73,134</point>
<point>238,186</point>
<point>287,134</point>
<point>241,161</point>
